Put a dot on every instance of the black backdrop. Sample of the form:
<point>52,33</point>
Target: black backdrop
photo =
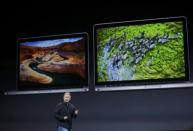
<point>160,109</point>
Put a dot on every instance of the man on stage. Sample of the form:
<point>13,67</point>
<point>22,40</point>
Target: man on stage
<point>64,112</point>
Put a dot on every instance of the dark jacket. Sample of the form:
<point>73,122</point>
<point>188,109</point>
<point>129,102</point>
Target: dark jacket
<point>65,109</point>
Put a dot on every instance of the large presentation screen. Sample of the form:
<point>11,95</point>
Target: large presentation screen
<point>53,62</point>
<point>141,52</point>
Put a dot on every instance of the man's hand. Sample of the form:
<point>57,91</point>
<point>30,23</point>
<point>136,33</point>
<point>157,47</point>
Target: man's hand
<point>65,117</point>
<point>76,112</point>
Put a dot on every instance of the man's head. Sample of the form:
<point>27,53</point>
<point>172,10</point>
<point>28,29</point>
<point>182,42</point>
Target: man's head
<point>67,97</point>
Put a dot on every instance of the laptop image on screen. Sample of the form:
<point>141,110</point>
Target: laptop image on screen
<point>141,54</point>
<point>53,62</point>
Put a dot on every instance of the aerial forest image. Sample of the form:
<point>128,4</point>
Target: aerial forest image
<point>140,52</point>
<point>52,62</point>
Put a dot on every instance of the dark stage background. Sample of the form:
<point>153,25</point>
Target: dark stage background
<point>159,109</point>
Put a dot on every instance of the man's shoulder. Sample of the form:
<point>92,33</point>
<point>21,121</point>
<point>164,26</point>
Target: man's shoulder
<point>72,105</point>
<point>59,104</point>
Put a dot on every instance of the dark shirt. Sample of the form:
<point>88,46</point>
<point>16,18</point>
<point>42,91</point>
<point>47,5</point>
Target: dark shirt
<point>65,109</point>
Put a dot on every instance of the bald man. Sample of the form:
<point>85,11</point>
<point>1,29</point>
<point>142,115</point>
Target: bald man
<point>64,112</point>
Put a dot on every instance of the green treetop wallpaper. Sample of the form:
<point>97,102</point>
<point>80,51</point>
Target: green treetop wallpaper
<point>140,52</point>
